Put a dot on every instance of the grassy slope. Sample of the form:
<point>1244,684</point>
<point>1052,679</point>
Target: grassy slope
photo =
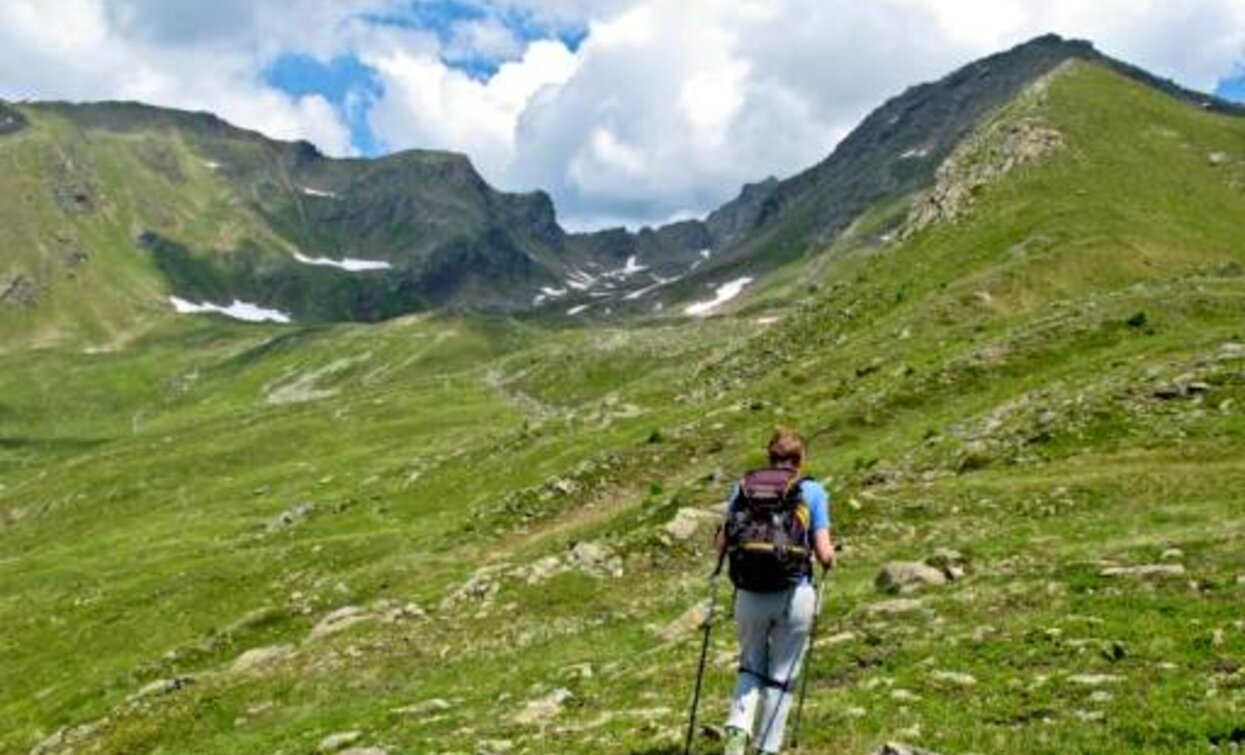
<point>975,387</point>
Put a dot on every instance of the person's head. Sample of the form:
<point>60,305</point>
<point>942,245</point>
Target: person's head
<point>786,448</point>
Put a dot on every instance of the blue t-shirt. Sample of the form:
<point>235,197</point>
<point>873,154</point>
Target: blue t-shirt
<point>814,495</point>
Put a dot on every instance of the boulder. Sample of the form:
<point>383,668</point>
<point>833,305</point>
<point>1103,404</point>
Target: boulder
<point>687,522</point>
<point>257,659</point>
<point>339,741</point>
<point>908,576</point>
<point>544,708</point>
<point>689,621</point>
<point>898,748</point>
<point>342,618</point>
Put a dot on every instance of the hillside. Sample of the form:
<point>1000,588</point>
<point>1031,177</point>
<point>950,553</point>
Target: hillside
<point>474,534</point>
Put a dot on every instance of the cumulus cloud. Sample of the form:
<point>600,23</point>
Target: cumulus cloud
<point>662,111</point>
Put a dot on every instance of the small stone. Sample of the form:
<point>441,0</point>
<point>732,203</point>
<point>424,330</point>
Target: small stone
<point>904,696</point>
<point>162,687</point>
<point>339,741</point>
<point>1217,158</point>
<point>955,678</point>
<point>1101,696</point>
<point>1172,554</point>
<point>1143,570</point>
<point>1095,680</point>
<point>689,621</point>
<point>427,707</point>
<point>895,607</point>
<point>899,748</point>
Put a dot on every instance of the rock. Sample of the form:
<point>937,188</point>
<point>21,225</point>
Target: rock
<point>1095,680</point>
<point>895,607</point>
<point>339,741</point>
<point>1217,159</point>
<point>908,576</point>
<point>494,746</point>
<point>1144,570</point>
<point>951,563</point>
<point>898,748</point>
<point>427,707</point>
<point>976,454</point>
<point>365,751</point>
<point>19,290</point>
<point>1172,554</point>
<point>595,559</point>
<point>544,708</point>
<point>163,687</point>
<point>257,659</point>
<point>541,569</point>
<point>689,621</point>
<point>904,696</point>
<point>687,522</point>
<point>955,678</point>
<point>64,740</point>
<point>342,618</point>
<point>296,514</point>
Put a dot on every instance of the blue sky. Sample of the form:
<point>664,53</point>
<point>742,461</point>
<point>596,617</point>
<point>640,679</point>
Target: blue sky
<point>1233,87</point>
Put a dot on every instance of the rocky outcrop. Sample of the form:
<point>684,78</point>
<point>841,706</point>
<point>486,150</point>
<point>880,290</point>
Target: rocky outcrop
<point>1016,136</point>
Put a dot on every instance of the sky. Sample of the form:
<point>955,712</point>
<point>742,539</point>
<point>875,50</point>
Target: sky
<point>627,112</point>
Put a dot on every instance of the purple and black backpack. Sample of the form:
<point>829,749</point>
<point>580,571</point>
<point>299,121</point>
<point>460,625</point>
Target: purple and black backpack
<point>768,535</point>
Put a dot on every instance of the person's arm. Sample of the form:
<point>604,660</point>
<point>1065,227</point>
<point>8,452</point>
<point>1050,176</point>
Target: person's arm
<point>823,548</point>
<point>719,534</point>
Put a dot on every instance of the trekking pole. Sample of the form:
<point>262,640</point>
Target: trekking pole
<point>704,652</point>
<point>808,661</point>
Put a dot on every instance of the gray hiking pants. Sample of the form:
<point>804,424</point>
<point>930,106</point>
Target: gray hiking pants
<point>773,632</point>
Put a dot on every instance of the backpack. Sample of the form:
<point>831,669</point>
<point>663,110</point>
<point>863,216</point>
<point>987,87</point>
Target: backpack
<point>767,532</point>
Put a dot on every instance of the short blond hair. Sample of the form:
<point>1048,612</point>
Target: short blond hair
<point>786,446</point>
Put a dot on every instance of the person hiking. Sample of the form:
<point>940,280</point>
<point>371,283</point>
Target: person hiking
<point>777,522</point>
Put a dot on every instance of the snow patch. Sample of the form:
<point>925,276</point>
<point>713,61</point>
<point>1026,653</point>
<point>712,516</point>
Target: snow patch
<point>211,164</point>
<point>706,253</point>
<point>318,193</point>
<point>346,263</point>
<point>633,266</point>
<point>579,280</point>
<point>576,310</point>
<point>238,310</point>
<point>658,283</point>
<point>724,293</point>
<point>914,153</point>
<point>767,320</point>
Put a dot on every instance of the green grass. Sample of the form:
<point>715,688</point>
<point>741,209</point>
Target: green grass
<point>977,386</point>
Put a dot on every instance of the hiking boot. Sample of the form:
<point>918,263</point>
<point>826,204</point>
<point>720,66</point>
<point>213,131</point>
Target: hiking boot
<point>736,741</point>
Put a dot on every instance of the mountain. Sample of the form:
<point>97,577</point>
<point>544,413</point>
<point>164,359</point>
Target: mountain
<point>122,205</point>
<point>464,533</point>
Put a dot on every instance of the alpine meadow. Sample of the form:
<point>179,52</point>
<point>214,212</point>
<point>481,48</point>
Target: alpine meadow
<point>453,489</point>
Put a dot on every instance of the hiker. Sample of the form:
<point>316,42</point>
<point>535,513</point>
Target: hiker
<point>777,522</point>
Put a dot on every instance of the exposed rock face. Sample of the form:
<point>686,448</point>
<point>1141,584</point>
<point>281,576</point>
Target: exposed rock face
<point>19,290</point>
<point>11,119</point>
<point>1017,135</point>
